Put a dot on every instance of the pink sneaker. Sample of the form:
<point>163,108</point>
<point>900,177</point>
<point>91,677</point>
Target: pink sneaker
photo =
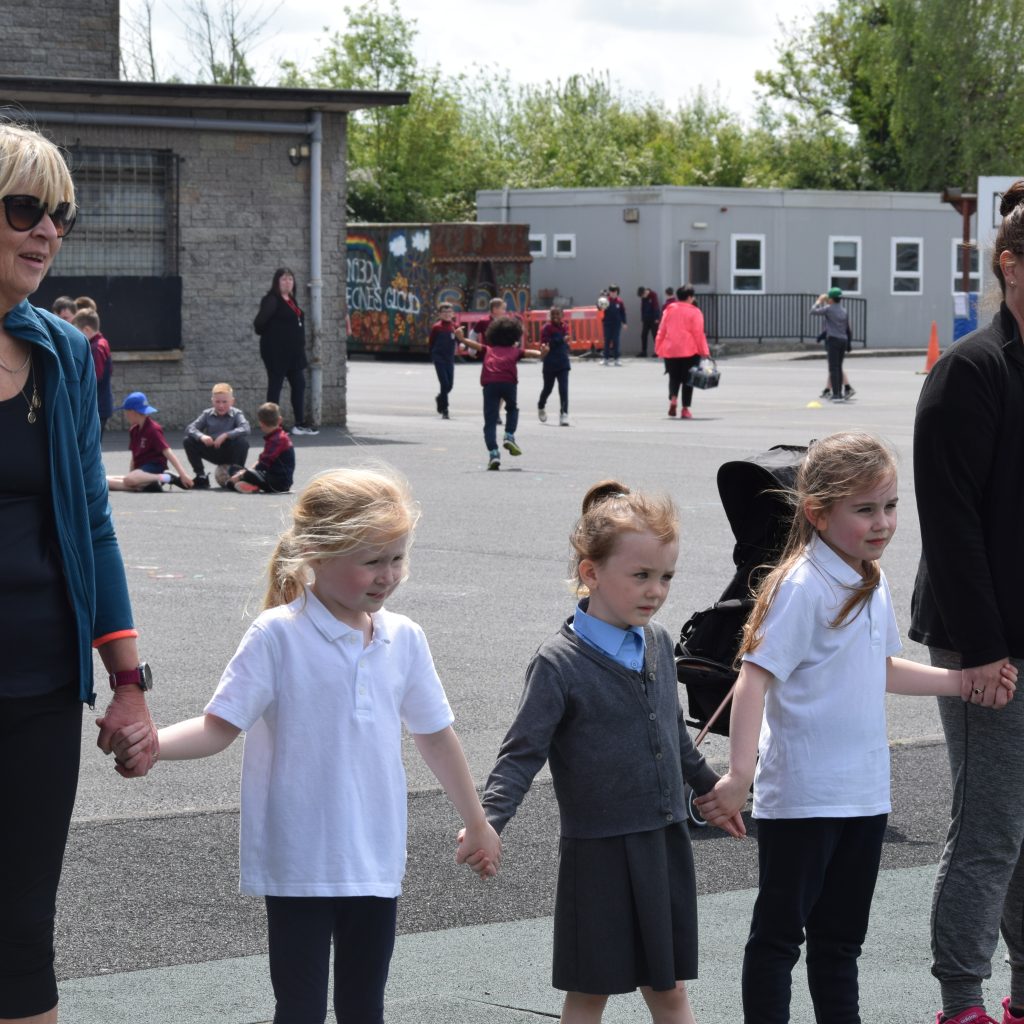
<point>685,413</point>
<point>972,1015</point>
<point>1008,1018</point>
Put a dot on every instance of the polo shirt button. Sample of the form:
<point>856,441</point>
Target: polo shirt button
<point>362,689</point>
<point>652,716</point>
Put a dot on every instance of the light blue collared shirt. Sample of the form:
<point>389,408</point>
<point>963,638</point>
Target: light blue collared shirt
<point>626,646</point>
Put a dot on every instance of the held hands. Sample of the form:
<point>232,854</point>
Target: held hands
<point>722,805</point>
<point>131,741</point>
<point>128,714</point>
<point>479,846</point>
<point>989,686</point>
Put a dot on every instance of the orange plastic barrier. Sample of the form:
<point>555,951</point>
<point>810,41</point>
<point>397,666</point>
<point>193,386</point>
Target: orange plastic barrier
<point>584,323</point>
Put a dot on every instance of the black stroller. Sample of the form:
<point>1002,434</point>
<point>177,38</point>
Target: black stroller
<point>710,639</point>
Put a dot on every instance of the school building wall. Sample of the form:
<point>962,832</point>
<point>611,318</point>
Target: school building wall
<point>62,38</point>
<point>585,239</point>
<point>243,211</point>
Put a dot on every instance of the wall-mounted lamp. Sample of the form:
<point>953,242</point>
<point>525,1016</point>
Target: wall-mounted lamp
<point>631,215</point>
<point>700,224</point>
<point>296,154</point>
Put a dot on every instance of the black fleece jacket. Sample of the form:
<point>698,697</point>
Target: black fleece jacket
<point>969,478</point>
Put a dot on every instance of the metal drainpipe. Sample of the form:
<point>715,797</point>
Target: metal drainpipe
<point>504,205</point>
<point>314,130</point>
<point>316,373</point>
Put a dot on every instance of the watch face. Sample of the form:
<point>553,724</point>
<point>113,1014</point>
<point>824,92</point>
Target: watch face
<point>145,676</point>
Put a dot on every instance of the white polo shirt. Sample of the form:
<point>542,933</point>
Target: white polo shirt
<point>323,786</point>
<point>824,749</point>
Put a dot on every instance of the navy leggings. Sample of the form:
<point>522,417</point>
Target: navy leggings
<point>40,741</point>
<point>816,876</point>
<point>297,385</point>
<point>301,929</point>
<point>560,375</point>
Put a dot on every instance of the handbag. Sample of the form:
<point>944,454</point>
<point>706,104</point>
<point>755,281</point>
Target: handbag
<point>704,376</point>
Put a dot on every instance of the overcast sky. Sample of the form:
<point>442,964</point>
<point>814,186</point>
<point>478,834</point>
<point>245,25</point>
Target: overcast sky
<point>662,48</point>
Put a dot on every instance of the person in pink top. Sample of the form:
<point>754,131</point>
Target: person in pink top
<point>681,342</point>
<point>499,377</point>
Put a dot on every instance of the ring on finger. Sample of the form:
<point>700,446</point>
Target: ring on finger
<point>977,692</point>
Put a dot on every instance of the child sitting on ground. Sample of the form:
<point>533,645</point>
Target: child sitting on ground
<point>150,451</point>
<point>275,468</point>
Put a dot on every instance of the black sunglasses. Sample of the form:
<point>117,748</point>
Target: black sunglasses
<point>25,212</point>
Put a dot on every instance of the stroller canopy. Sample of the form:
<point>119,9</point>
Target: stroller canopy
<point>753,493</point>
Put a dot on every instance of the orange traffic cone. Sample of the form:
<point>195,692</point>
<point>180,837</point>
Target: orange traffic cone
<point>933,348</point>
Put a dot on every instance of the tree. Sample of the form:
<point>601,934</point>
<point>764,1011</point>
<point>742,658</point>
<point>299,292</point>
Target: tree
<point>406,162</point>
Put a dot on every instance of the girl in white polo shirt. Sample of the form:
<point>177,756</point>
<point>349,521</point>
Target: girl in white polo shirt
<point>322,684</point>
<point>809,712</point>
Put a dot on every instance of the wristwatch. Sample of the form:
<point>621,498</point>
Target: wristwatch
<point>142,677</point>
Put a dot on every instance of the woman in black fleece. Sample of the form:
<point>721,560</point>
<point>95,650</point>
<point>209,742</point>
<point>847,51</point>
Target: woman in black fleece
<point>280,323</point>
<point>968,608</point>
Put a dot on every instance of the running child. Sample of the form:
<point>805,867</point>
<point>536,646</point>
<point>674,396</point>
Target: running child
<point>150,451</point>
<point>601,705</point>
<point>809,711</point>
<point>322,683</point>
<point>554,340</point>
<point>499,377</point>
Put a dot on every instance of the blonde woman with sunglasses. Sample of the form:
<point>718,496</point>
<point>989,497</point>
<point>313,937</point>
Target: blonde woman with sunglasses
<point>56,542</point>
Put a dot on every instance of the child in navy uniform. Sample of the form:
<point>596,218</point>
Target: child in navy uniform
<point>444,335</point>
<point>150,451</point>
<point>554,340</point>
<point>275,468</point>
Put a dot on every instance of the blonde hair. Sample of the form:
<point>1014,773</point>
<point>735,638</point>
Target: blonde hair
<point>28,161</point>
<point>835,468</point>
<point>86,318</point>
<point>222,389</point>
<point>609,510</point>
<point>337,512</point>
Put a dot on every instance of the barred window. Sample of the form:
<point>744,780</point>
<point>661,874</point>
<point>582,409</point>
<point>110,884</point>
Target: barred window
<point>127,214</point>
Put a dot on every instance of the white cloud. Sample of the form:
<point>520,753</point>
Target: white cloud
<point>664,49</point>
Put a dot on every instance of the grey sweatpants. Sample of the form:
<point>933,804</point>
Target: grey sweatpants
<point>979,888</point>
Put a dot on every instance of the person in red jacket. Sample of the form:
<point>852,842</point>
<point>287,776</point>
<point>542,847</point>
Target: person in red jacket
<point>681,342</point>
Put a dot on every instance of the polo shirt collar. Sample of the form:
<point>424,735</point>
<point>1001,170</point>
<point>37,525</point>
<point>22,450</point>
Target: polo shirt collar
<point>603,635</point>
<point>334,629</point>
<point>825,558</point>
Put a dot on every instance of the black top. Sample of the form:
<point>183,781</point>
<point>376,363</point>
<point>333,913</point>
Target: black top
<point>282,334</point>
<point>969,477</point>
<point>37,626</point>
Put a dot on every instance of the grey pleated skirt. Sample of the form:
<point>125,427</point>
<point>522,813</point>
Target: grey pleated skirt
<point>625,913</point>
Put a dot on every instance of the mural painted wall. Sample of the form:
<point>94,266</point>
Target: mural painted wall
<point>397,276</point>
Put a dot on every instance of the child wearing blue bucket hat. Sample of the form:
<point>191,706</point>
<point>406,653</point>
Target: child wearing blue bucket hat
<point>150,451</point>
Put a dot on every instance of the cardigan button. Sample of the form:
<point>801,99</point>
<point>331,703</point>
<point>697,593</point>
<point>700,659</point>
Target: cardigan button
<point>652,716</point>
<point>668,817</point>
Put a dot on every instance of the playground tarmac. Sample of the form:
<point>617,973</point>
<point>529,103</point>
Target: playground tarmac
<point>151,928</point>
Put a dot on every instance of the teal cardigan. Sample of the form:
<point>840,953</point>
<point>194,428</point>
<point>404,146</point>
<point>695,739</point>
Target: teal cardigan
<point>91,558</point>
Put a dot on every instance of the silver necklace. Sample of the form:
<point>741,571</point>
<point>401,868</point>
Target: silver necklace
<point>35,402</point>
<point>4,366</point>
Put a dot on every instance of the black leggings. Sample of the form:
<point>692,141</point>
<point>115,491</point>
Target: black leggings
<point>297,384</point>
<point>678,375</point>
<point>300,930</point>
<point>40,740</point>
<point>550,377</point>
<point>817,877</point>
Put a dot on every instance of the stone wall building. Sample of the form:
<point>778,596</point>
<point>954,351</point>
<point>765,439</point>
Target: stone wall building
<point>190,197</point>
